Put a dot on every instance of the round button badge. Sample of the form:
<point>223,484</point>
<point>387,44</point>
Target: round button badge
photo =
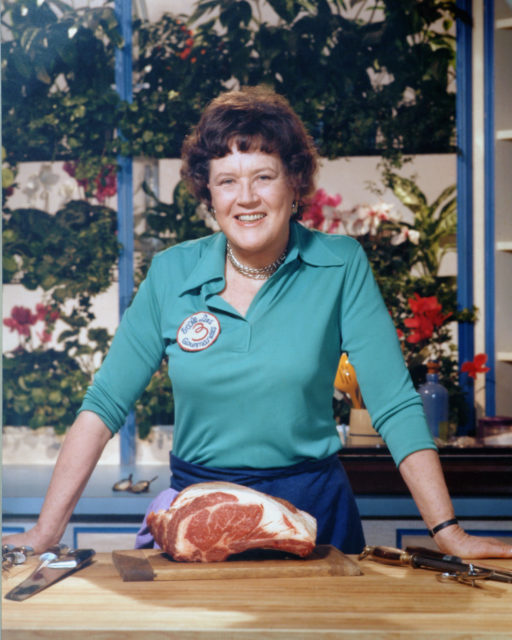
<point>198,331</point>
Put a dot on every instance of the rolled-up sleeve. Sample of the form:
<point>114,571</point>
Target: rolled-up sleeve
<point>135,354</point>
<point>370,339</point>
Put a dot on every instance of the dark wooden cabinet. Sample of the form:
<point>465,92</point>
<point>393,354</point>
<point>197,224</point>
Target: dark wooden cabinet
<point>470,471</point>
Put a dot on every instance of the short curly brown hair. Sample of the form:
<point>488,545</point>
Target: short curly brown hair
<point>253,118</point>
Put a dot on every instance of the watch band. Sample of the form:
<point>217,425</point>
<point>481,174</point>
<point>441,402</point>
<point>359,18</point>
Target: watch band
<point>442,525</point>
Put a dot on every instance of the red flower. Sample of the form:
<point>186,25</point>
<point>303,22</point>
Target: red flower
<point>475,366</point>
<point>427,316</point>
<point>70,168</point>
<point>185,53</point>
<point>423,328</point>
<point>428,305</point>
<point>21,320</point>
<point>106,183</point>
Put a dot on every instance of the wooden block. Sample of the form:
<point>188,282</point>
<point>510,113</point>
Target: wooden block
<point>153,564</point>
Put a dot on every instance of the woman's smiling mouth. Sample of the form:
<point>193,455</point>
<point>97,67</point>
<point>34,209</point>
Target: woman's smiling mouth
<point>250,217</point>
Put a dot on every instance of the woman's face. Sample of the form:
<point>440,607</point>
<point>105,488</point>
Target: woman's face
<point>253,200</point>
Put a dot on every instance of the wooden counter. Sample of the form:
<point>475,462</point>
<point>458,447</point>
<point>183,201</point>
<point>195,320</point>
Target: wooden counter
<point>384,603</point>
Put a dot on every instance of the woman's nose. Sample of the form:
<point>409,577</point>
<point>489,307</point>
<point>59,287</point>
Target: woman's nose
<point>247,193</point>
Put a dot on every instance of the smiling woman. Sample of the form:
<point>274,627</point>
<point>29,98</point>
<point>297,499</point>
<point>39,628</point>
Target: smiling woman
<point>253,359</point>
<point>252,161</point>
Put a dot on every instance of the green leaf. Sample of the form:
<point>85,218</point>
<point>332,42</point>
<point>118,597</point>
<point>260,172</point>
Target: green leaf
<point>408,193</point>
<point>38,395</point>
<point>202,7</point>
<point>446,193</point>
<point>10,267</point>
<point>54,397</point>
<point>285,9</point>
<point>43,76</point>
<point>22,64</point>
<point>233,14</point>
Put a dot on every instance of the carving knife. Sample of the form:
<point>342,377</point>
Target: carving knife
<point>456,564</point>
<point>49,572</point>
<point>422,558</point>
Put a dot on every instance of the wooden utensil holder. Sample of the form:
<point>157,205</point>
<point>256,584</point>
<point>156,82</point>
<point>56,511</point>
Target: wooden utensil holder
<point>361,431</point>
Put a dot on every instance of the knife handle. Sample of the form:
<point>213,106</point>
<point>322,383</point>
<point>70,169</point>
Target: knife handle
<point>386,555</point>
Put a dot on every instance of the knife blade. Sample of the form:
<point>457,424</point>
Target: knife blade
<point>424,555</point>
<point>47,574</point>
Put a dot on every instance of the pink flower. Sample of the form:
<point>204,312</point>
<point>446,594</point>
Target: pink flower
<point>405,234</point>
<point>325,200</point>
<point>321,212</point>
<point>313,217</point>
<point>21,320</point>
<point>366,219</point>
<point>45,313</point>
<point>45,336</point>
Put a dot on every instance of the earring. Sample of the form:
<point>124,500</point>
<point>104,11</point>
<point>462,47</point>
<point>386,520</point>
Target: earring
<point>294,207</point>
<point>212,212</point>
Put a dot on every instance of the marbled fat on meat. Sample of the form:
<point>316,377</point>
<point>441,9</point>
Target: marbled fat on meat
<point>208,522</point>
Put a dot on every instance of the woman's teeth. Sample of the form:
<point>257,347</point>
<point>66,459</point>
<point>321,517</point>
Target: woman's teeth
<point>250,217</point>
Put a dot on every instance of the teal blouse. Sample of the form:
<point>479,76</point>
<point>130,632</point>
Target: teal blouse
<point>258,390</point>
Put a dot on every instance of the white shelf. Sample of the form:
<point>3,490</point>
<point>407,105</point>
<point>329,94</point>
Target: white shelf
<point>504,134</point>
<point>504,356</point>
<point>504,23</point>
<point>504,245</point>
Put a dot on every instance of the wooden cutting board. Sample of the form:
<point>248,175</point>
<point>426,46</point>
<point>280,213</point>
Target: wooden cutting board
<point>153,564</point>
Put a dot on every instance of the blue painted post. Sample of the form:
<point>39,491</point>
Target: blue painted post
<point>490,346</point>
<point>464,108</point>
<point>123,78</point>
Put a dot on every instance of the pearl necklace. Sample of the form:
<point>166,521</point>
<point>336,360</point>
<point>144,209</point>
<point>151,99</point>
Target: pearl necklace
<point>256,273</point>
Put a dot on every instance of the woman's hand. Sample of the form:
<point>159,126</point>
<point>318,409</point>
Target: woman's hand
<point>423,475</point>
<point>84,442</point>
<point>455,541</point>
<point>31,538</point>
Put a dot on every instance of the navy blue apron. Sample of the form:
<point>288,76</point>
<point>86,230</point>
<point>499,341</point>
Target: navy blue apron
<point>320,487</point>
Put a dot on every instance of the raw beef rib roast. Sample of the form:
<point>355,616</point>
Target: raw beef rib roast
<point>209,521</point>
